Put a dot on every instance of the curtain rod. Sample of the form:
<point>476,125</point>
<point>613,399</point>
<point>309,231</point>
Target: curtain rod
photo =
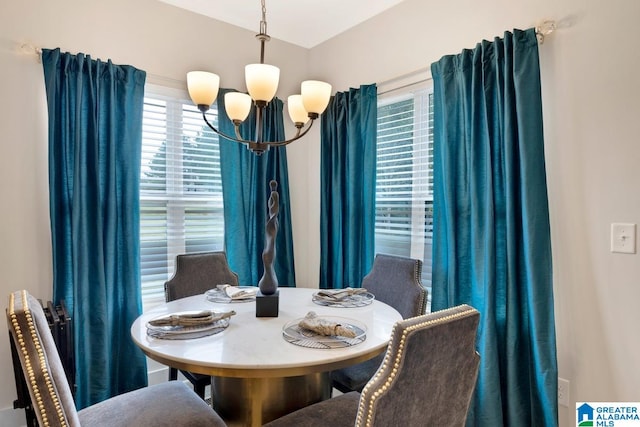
<point>403,86</point>
<point>542,30</point>
<point>409,79</point>
<point>30,49</point>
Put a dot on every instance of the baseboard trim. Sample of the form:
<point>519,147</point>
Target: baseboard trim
<point>157,376</point>
<point>10,417</point>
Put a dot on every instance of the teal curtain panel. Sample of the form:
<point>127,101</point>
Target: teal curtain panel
<point>491,241</point>
<point>95,135</point>
<point>347,187</point>
<point>245,189</point>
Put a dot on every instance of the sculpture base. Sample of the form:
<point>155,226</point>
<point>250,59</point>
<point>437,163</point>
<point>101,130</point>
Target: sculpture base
<point>267,305</point>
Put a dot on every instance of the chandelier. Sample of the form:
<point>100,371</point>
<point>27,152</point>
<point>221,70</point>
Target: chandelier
<point>262,83</point>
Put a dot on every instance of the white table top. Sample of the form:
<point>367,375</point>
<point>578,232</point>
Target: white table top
<point>253,347</point>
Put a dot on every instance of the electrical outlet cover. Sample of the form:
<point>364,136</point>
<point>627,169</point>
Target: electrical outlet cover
<point>563,392</point>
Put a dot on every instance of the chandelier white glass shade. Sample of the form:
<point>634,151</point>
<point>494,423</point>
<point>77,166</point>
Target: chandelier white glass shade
<point>262,83</point>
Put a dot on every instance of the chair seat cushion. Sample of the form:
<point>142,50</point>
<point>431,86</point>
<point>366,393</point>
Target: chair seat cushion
<point>164,405</point>
<point>340,411</point>
<point>355,377</point>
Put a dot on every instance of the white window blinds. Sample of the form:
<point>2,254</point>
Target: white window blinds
<point>404,177</point>
<point>181,206</point>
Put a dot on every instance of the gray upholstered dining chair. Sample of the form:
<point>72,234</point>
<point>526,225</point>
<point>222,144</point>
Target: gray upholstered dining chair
<point>51,394</point>
<point>427,378</point>
<point>396,281</point>
<point>195,274</point>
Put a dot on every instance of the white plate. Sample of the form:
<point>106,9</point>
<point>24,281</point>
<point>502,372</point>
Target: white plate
<point>297,335</point>
<point>177,329</point>
<point>220,296</point>
<point>184,336</point>
<point>358,300</point>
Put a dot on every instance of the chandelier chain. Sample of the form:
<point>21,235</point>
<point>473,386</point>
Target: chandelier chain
<point>263,22</point>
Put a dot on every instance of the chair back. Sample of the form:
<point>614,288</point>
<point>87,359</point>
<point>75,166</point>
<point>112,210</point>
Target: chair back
<point>197,273</point>
<point>428,374</point>
<point>396,281</point>
<point>45,377</point>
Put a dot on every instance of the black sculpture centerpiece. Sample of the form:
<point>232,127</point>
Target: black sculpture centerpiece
<point>268,296</point>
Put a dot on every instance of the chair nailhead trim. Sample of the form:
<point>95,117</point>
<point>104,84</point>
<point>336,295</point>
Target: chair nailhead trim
<point>41,360</point>
<point>363,408</point>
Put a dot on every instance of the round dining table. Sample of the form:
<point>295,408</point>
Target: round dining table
<point>258,375</point>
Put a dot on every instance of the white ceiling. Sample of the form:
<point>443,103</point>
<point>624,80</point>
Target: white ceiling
<point>305,23</point>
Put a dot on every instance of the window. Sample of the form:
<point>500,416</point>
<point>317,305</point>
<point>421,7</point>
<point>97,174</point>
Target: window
<point>181,206</point>
<point>404,177</point>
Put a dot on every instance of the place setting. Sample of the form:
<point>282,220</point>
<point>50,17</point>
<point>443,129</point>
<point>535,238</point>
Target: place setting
<point>324,332</point>
<point>231,294</point>
<point>343,298</point>
<point>189,324</point>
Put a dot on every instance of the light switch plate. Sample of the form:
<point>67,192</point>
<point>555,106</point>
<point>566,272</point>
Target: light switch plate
<point>623,238</point>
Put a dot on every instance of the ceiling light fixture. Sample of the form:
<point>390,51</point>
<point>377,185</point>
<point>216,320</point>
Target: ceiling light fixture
<point>262,84</point>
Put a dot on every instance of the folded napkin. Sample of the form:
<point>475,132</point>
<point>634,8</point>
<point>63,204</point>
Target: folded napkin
<point>339,294</point>
<point>325,327</point>
<point>205,317</point>
<point>236,292</point>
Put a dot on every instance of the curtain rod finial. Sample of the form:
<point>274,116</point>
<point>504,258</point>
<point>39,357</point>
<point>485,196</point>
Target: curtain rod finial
<point>544,29</point>
<point>30,49</point>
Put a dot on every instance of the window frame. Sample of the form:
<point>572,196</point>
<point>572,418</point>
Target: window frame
<point>420,224</point>
<point>179,205</point>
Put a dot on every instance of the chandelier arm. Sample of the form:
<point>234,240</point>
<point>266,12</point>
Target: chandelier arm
<point>259,147</point>
<point>295,138</point>
<point>224,135</point>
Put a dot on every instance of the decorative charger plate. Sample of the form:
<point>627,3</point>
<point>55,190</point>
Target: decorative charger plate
<point>302,337</point>
<point>352,301</point>
<point>178,332</point>
<point>220,296</point>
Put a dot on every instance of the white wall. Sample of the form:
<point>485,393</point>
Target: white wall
<point>591,120</point>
